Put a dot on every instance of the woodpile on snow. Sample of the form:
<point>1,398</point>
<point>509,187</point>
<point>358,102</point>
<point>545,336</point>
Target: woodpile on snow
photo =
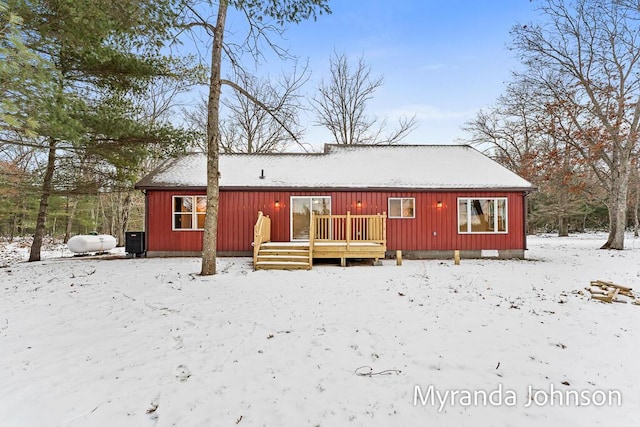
<point>611,292</point>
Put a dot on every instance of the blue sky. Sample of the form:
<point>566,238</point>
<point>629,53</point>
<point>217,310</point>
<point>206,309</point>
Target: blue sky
<point>441,60</point>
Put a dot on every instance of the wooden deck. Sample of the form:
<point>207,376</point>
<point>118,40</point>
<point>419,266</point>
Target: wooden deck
<point>330,236</point>
<point>348,236</point>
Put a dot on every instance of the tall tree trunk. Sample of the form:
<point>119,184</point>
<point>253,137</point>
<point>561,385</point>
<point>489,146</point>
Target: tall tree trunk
<point>563,225</point>
<point>636,199</point>
<point>38,235</point>
<point>636,222</point>
<point>121,216</point>
<point>635,217</point>
<point>20,229</point>
<point>19,225</point>
<point>210,235</point>
<point>14,227</point>
<point>103,225</point>
<point>618,209</point>
<point>71,214</point>
<point>563,203</point>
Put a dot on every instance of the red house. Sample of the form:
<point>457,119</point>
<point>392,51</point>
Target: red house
<point>424,200</point>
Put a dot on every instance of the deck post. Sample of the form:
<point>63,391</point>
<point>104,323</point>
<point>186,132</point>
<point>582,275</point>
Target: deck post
<point>348,228</point>
<point>312,238</point>
<point>261,234</point>
<point>384,227</point>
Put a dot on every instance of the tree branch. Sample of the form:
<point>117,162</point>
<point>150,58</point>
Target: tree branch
<point>259,103</point>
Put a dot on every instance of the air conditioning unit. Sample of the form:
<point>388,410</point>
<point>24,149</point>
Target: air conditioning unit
<point>134,243</point>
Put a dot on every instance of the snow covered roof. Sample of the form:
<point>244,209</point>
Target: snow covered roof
<point>344,167</point>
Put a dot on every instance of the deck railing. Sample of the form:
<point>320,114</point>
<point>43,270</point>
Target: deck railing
<point>261,234</point>
<point>349,228</point>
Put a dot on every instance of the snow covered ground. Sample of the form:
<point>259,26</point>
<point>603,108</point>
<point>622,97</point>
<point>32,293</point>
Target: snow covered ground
<point>145,342</point>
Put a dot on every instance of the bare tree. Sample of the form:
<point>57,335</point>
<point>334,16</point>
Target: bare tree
<point>341,105</point>
<point>247,127</point>
<point>196,119</point>
<point>586,56</point>
<point>262,18</point>
<point>515,132</point>
<point>511,129</point>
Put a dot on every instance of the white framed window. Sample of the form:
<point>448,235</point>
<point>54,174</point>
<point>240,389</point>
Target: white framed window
<point>482,215</point>
<point>188,212</point>
<point>402,207</point>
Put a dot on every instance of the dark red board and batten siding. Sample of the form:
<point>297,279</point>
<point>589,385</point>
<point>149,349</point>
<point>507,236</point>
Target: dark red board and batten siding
<point>433,228</point>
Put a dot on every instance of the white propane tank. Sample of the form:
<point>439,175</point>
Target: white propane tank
<point>100,243</point>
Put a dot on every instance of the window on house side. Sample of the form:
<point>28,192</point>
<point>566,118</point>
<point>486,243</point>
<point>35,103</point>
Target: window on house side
<point>486,215</point>
<point>189,212</point>
<point>402,207</point>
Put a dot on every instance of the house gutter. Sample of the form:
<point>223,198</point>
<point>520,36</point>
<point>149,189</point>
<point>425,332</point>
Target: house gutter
<point>320,188</point>
<point>146,220</point>
<point>525,220</point>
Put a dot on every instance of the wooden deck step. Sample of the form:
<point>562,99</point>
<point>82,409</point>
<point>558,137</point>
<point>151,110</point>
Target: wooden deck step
<point>294,252</point>
<point>282,265</point>
<point>285,248</point>
<point>283,256</point>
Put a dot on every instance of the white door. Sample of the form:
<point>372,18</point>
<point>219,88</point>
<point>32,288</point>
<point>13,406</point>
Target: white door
<point>301,208</point>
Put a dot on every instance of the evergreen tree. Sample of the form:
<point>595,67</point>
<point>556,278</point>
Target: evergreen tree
<point>95,49</point>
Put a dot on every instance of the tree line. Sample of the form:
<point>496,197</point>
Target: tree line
<point>569,121</point>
